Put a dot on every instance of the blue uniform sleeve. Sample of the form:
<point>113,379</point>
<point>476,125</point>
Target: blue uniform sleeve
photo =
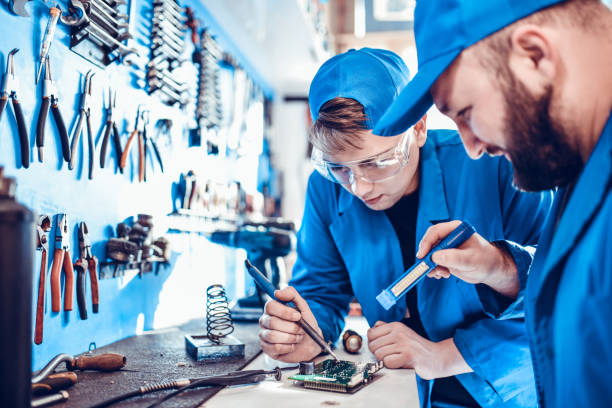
<point>319,274</point>
<point>524,215</point>
<point>498,352</point>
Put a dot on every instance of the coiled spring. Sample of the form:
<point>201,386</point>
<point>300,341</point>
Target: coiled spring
<point>219,321</point>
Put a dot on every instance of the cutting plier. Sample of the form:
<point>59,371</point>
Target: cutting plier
<point>62,259</point>
<point>50,98</point>
<point>111,126</point>
<point>87,262</point>
<point>11,90</point>
<point>84,115</point>
<point>42,228</point>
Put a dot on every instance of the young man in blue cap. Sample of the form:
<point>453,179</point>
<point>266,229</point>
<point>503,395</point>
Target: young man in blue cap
<point>531,80</point>
<point>367,206</point>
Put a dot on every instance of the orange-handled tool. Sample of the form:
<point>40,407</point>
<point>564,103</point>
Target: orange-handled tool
<point>61,259</point>
<point>43,227</point>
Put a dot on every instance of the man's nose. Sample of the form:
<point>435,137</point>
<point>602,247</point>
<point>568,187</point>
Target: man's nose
<point>360,187</point>
<point>473,146</point>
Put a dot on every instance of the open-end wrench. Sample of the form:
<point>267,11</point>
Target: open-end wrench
<point>109,41</point>
<point>160,38</point>
<point>94,9</point>
<point>110,10</point>
<point>170,4</point>
<point>167,78</point>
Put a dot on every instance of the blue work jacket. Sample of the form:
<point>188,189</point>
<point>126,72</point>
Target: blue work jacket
<point>568,296</point>
<point>347,250</point>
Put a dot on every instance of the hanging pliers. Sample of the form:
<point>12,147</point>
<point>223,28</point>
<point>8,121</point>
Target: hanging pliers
<point>86,261</point>
<point>84,116</point>
<point>42,228</point>
<point>137,132</point>
<point>50,98</point>
<point>111,126</point>
<point>62,259</point>
<point>11,90</point>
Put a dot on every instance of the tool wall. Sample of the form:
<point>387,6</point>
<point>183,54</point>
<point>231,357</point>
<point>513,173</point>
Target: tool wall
<point>145,90</point>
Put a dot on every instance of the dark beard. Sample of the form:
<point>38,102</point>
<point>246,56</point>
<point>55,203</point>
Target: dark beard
<point>538,147</point>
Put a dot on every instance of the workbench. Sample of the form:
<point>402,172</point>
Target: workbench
<point>160,355</point>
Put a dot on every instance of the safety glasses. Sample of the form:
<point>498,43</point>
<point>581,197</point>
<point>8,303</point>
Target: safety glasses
<point>376,168</point>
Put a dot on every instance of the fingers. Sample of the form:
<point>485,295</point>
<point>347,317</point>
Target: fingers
<point>379,329</point>
<point>274,323</point>
<point>274,308</point>
<point>454,258</point>
<point>435,234</point>
<point>277,350</point>
<point>289,294</point>
<point>389,353</point>
<point>396,361</point>
<point>439,273</point>
<point>278,337</point>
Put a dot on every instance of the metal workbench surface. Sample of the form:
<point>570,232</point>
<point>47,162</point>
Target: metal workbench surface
<point>153,357</point>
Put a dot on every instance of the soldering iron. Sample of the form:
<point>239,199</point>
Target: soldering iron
<point>267,287</point>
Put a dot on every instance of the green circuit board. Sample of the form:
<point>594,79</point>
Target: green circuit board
<point>339,376</point>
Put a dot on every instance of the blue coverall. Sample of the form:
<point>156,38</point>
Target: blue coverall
<point>347,250</point>
<point>568,296</point>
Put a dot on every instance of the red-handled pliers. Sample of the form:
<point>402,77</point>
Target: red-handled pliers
<point>62,258</point>
<point>86,261</point>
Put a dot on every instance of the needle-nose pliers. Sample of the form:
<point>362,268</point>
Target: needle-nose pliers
<point>84,116</point>
<point>111,125</point>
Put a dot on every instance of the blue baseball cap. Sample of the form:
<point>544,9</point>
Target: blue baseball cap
<point>442,29</point>
<point>372,77</point>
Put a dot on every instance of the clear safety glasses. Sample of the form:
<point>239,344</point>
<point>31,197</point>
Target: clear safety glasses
<point>376,168</point>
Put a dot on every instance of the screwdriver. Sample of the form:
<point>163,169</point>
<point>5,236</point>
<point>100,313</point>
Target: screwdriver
<point>267,287</point>
<point>54,15</point>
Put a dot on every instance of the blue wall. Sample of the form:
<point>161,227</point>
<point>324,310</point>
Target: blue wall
<point>131,304</point>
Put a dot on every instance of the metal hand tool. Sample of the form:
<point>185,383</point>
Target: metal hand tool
<point>18,7</point>
<point>50,399</point>
<point>143,145</point>
<point>110,10</point>
<point>183,384</point>
<point>84,115</point>
<point>90,262</point>
<point>50,97</point>
<point>62,259</point>
<point>54,15</point>
<point>111,125</point>
<point>100,362</point>
<point>11,90</point>
<point>163,126</point>
<point>43,228</point>
<point>135,133</point>
<point>269,289</point>
<point>170,5</point>
<point>54,383</point>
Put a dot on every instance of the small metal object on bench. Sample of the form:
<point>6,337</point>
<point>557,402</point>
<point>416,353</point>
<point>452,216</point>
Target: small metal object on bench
<point>217,343</point>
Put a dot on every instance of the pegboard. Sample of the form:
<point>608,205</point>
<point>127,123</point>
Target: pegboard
<point>130,304</point>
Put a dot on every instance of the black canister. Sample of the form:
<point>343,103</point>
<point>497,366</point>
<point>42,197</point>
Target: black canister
<point>17,247</point>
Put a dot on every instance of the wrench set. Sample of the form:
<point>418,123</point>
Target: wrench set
<point>167,44</point>
<point>100,33</point>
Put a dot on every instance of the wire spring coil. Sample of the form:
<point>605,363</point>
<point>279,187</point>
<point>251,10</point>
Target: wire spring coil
<point>219,321</point>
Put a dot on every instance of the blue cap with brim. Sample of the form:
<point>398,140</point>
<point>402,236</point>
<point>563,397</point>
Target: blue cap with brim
<point>372,77</point>
<point>443,29</point>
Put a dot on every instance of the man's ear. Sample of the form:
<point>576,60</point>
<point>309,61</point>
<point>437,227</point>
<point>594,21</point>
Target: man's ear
<point>420,131</point>
<point>533,56</point>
